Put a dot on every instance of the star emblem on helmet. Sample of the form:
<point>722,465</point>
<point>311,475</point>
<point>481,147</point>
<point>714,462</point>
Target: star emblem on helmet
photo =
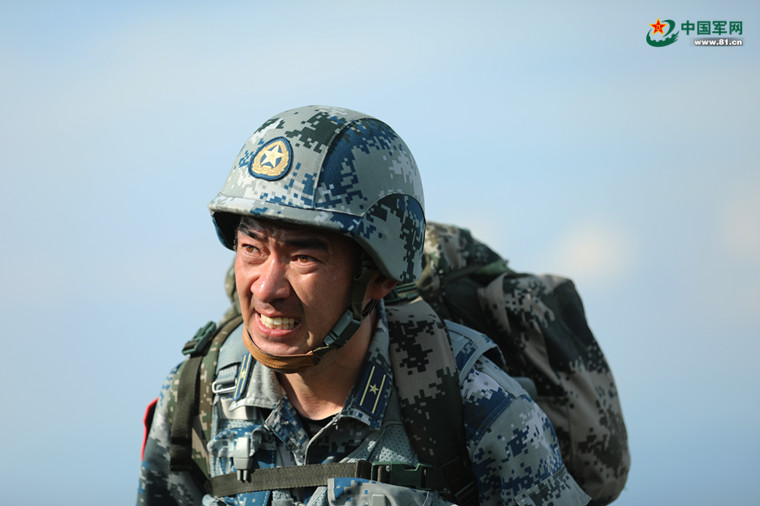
<point>272,161</point>
<point>272,156</point>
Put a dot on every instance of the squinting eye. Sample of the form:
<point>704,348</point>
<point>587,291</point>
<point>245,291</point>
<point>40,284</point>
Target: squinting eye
<point>303,259</point>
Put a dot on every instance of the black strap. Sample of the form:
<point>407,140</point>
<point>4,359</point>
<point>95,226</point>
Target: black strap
<point>461,481</point>
<point>418,476</point>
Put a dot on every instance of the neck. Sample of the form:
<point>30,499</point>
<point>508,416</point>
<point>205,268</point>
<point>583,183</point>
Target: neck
<point>321,391</point>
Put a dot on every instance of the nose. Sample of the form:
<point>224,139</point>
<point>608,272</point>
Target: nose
<point>272,283</point>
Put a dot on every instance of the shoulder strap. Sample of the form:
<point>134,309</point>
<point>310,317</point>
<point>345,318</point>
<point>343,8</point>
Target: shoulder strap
<point>191,416</point>
<point>428,386</point>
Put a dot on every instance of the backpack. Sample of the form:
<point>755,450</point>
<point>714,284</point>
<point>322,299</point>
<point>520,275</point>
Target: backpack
<point>538,325</point>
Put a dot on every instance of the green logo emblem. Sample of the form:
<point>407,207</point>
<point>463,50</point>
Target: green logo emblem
<point>666,39</point>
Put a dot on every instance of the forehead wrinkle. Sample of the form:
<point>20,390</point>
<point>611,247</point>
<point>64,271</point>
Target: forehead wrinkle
<point>250,233</point>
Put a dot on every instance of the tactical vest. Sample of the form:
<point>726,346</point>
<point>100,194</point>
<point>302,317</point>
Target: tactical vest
<point>538,322</point>
<point>425,363</point>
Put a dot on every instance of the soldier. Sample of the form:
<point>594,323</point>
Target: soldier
<point>324,210</point>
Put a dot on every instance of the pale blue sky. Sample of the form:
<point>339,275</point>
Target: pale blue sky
<point>553,131</point>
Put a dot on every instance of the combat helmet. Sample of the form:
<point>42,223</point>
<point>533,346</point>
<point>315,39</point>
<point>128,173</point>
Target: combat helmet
<point>339,170</point>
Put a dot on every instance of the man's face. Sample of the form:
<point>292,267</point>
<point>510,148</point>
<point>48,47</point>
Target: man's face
<point>293,284</point>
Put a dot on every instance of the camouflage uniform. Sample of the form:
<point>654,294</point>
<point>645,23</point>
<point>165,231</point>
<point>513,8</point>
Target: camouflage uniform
<point>511,442</point>
<point>346,172</point>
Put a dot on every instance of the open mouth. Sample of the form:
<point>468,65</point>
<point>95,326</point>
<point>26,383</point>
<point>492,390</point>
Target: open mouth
<point>278,323</point>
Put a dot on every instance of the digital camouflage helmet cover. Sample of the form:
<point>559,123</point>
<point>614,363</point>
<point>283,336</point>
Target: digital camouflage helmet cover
<point>338,170</point>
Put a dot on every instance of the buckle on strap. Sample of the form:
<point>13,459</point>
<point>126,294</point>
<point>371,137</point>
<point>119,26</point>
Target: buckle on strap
<point>402,293</point>
<point>419,476</point>
<point>200,339</point>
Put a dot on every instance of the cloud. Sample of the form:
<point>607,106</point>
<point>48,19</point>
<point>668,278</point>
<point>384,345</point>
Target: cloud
<point>595,252</point>
<point>740,223</point>
<point>734,292</point>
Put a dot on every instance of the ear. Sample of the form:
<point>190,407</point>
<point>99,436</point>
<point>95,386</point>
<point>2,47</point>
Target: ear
<point>380,286</point>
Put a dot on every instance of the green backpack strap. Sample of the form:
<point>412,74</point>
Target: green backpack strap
<point>427,383</point>
<point>192,397</point>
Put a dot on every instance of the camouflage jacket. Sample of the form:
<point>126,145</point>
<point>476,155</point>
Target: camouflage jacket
<point>511,442</point>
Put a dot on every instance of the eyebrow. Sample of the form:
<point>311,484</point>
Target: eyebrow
<point>307,243</point>
<point>298,242</point>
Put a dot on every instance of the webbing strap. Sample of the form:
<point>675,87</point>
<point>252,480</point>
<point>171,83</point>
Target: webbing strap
<point>187,393</point>
<point>417,476</point>
<point>277,478</point>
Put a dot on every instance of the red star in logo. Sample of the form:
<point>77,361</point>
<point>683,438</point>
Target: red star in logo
<point>658,27</point>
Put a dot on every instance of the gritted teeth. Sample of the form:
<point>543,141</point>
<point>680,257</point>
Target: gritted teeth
<point>278,323</point>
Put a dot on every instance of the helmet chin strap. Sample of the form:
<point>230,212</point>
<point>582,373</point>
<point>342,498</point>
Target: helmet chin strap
<point>337,337</point>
